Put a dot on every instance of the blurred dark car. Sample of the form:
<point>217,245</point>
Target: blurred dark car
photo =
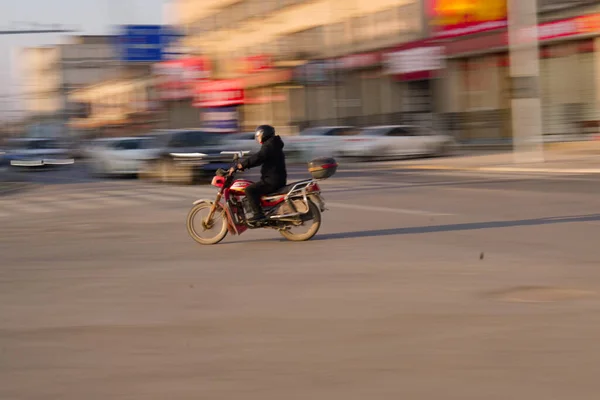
<point>37,153</point>
<point>3,159</point>
<point>185,156</point>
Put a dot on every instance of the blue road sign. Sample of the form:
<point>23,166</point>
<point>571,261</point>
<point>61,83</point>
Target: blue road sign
<point>144,43</point>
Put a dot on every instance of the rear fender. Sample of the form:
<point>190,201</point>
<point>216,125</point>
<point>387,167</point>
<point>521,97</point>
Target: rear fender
<point>318,200</point>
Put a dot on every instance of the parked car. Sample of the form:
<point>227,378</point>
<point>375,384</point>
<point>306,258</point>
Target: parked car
<point>3,159</point>
<point>185,156</point>
<point>119,156</point>
<point>392,141</point>
<point>320,141</point>
<point>37,153</point>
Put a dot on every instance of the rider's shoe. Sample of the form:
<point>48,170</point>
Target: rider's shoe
<point>258,221</point>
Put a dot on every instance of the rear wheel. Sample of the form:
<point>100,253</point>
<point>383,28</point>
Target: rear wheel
<point>203,231</point>
<point>309,227</point>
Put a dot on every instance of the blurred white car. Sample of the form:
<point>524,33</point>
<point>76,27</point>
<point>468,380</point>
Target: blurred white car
<point>391,141</point>
<point>320,141</point>
<point>119,156</point>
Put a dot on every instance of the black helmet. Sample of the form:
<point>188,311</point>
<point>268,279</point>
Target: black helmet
<point>264,133</point>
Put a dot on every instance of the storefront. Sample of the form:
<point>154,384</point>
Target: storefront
<point>218,104</point>
<point>417,67</point>
<point>268,100</point>
<point>175,82</point>
<point>259,98</point>
<point>313,96</point>
<point>477,80</point>
<point>350,90</point>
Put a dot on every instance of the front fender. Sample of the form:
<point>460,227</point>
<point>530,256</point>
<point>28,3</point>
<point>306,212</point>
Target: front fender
<point>199,201</point>
<point>233,229</point>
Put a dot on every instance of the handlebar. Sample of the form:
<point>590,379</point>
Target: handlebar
<point>236,154</point>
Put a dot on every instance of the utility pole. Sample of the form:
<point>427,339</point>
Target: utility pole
<point>528,145</point>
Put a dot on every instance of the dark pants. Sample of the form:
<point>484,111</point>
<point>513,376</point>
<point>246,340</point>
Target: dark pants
<point>255,191</point>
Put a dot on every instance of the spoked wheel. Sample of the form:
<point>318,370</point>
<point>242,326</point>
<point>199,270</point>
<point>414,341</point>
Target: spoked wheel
<point>311,222</point>
<point>203,231</point>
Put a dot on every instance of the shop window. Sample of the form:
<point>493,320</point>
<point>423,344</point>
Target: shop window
<point>482,82</point>
<point>417,97</point>
<point>555,5</point>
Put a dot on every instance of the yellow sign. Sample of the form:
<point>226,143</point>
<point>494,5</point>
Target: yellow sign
<point>467,12</point>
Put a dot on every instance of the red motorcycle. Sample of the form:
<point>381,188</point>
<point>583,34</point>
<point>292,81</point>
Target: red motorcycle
<point>294,210</point>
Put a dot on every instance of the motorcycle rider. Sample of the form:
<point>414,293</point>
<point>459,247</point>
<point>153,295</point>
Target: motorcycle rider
<point>273,171</point>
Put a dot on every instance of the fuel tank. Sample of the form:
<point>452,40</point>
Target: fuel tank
<point>239,186</point>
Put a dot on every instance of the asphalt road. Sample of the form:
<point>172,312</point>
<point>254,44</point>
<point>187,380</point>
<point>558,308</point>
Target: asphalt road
<point>420,285</point>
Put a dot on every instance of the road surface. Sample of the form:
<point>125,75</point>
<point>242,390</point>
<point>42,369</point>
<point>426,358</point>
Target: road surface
<point>420,285</point>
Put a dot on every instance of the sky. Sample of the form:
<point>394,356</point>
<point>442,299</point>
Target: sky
<point>91,17</point>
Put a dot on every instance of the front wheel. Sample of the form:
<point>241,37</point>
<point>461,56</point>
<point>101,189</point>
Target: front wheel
<point>312,221</point>
<point>203,231</point>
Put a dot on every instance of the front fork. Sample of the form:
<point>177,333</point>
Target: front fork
<point>208,223</point>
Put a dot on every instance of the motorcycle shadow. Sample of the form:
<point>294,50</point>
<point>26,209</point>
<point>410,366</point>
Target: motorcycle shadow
<point>427,229</point>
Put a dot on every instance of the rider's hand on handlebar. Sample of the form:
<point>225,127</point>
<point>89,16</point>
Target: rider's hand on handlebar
<point>236,168</point>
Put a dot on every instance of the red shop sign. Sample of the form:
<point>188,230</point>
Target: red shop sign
<point>175,79</point>
<point>259,63</point>
<point>219,93</point>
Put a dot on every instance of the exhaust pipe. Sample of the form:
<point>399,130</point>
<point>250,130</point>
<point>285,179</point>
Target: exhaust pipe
<point>286,216</point>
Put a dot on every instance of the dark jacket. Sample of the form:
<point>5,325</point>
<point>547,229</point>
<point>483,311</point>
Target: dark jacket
<point>272,159</point>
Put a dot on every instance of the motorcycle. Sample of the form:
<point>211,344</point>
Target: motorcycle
<point>291,209</point>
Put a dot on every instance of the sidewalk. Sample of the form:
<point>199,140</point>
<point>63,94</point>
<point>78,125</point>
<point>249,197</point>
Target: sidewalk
<point>567,158</point>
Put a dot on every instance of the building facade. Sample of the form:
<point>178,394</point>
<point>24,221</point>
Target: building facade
<point>274,51</point>
<point>475,91</point>
<point>50,74</point>
<point>299,63</point>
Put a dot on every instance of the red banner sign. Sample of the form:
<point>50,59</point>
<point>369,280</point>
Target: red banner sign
<point>219,93</point>
<point>175,79</point>
<point>253,64</point>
